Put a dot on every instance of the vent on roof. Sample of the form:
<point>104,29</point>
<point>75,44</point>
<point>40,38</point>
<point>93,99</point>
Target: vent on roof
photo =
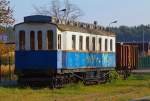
<point>80,24</point>
<point>68,22</point>
<point>84,25</point>
<point>100,28</point>
<point>71,23</point>
<point>91,26</point>
<point>88,26</point>
<point>63,22</point>
<point>76,24</point>
<point>58,21</point>
<point>95,23</point>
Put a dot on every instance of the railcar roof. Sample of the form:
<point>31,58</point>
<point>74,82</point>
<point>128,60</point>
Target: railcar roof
<point>68,25</point>
<point>63,27</point>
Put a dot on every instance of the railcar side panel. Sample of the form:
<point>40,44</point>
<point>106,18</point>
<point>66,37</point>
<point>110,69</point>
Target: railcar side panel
<point>59,59</point>
<point>53,60</point>
<point>36,60</point>
<point>108,60</point>
<point>73,60</point>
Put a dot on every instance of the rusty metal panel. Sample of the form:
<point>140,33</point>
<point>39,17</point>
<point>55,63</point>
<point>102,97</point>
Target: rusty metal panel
<point>127,56</point>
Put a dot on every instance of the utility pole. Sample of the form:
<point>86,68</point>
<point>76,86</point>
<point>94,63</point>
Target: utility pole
<point>143,45</point>
<point>109,29</point>
<point>112,23</point>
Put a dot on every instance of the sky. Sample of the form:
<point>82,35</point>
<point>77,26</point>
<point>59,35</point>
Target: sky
<point>126,12</point>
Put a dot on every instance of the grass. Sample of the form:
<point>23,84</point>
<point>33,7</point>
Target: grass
<point>136,86</point>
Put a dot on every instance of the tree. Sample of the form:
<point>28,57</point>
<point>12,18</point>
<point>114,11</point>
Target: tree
<point>62,11</point>
<point>132,34</point>
<point>6,13</point>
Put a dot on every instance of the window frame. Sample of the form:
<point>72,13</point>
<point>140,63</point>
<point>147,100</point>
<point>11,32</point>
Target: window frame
<point>49,39</point>
<point>32,41</point>
<point>73,42</point>
<point>80,42</point>
<point>111,45</point>
<point>22,40</point>
<point>40,40</point>
<point>93,44</point>
<point>100,44</point>
<point>59,41</point>
<point>106,45</point>
<point>87,43</point>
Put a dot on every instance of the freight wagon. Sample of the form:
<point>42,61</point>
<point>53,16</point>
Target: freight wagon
<point>127,57</point>
<point>143,56</point>
<point>52,50</point>
<point>143,48</point>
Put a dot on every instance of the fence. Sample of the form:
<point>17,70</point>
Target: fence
<point>144,62</point>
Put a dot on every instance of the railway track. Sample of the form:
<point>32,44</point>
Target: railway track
<point>141,71</point>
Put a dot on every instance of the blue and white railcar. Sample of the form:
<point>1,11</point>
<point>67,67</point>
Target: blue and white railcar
<point>45,44</point>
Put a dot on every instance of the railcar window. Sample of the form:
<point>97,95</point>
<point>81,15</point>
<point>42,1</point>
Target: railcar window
<point>59,41</point>
<point>50,39</point>
<point>80,42</point>
<point>22,40</point>
<point>87,43</point>
<point>111,45</point>
<point>93,43</point>
<point>100,44</point>
<point>73,42</point>
<point>39,40</point>
<point>32,39</point>
<point>106,44</point>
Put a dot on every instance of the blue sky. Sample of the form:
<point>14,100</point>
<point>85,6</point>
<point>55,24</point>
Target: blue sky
<point>127,12</point>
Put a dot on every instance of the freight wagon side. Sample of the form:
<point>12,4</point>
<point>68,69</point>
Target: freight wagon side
<point>126,57</point>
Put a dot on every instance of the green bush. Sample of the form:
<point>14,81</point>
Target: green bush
<point>114,76</point>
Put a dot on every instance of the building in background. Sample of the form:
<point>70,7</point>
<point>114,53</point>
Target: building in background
<point>3,37</point>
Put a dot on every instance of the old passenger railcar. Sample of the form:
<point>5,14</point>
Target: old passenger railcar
<point>45,45</point>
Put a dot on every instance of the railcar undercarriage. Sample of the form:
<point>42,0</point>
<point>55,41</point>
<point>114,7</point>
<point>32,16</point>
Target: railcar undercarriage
<point>88,76</point>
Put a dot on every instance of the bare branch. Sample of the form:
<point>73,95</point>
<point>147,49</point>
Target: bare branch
<point>69,12</point>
